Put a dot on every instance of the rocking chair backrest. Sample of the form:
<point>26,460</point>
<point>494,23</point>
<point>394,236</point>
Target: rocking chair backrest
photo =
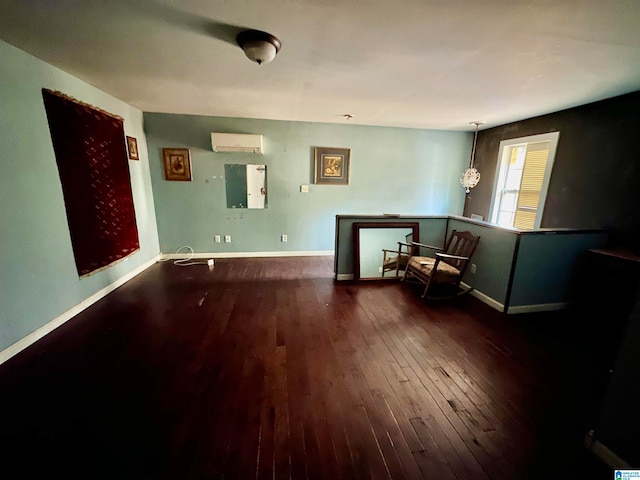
<point>462,244</point>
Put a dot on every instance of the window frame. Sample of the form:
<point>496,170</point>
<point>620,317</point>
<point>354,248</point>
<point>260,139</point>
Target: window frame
<point>501,171</point>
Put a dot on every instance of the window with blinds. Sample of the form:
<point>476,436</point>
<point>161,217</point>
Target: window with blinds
<point>522,179</point>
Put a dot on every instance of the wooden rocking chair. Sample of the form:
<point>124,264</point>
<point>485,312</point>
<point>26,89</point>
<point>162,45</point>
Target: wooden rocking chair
<point>442,273</point>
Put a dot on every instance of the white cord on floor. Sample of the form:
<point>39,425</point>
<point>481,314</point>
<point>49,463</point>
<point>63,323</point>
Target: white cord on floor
<point>185,262</point>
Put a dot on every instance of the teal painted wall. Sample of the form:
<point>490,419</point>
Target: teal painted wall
<point>38,279</point>
<point>547,266</point>
<point>544,268</point>
<point>393,170</point>
<point>493,258</point>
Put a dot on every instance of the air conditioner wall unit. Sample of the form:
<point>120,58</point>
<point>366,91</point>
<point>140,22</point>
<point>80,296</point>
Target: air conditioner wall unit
<point>236,142</point>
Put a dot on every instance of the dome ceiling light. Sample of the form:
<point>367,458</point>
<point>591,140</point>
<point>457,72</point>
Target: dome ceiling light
<point>260,47</point>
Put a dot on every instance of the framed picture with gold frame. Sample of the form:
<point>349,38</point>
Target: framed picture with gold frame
<point>132,148</point>
<point>331,166</point>
<point>177,164</point>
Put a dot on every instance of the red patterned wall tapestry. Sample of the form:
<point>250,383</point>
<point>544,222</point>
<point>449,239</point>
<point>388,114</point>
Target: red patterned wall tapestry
<point>91,154</point>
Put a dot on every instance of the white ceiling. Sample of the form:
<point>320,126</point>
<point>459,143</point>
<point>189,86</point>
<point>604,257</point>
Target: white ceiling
<point>409,63</point>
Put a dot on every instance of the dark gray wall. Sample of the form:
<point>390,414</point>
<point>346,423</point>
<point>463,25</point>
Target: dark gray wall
<point>594,178</point>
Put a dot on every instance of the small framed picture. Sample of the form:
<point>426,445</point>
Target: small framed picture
<point>132,148</point>
<point>177,164</point>
<point>331,166</point>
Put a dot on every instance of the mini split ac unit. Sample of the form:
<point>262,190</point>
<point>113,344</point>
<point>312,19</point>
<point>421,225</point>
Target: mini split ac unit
<point>236,142</point>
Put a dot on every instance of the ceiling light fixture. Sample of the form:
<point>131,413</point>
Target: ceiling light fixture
<point>259,47</point>
<point>471,176</point>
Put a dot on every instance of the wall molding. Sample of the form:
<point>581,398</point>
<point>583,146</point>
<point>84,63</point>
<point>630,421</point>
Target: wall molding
<point>184,255</point>
<point>484,298</point>
<point>604,453</point>
<point>344,276</point>
<point>539,307</point>
<point>36,335</point>
<point>514,310</point>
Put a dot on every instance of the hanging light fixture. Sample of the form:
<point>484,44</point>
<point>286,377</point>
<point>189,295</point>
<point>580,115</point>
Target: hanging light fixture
<point>471,176</point>
<point>259,47</point>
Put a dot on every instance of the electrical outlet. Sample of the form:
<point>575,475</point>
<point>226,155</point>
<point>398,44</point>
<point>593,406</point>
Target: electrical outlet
<point>283,238</point>
<point>473,268</point>
<point>227,239</point>
<point>216,239</point>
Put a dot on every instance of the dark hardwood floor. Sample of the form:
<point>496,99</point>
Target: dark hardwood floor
<point>267,368</point>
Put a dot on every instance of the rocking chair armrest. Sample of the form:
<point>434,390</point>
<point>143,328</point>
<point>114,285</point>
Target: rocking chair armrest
<point>423,245</point>
<point>389,254</point>
<point>451,257</point>
<point>399,250</point>
<point>400,245</point>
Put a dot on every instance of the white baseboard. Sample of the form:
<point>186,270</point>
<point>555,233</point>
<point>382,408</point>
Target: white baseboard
<point>36,335</point>
<point>610,458</point>
<point>344,276</point>
<point>311,253</point>
<point>540,307</point>
<point>484,298</point>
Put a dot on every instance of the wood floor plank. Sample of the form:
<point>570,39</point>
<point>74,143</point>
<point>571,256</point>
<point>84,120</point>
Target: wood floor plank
<point>266,436</point>
<point>281,441</point>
